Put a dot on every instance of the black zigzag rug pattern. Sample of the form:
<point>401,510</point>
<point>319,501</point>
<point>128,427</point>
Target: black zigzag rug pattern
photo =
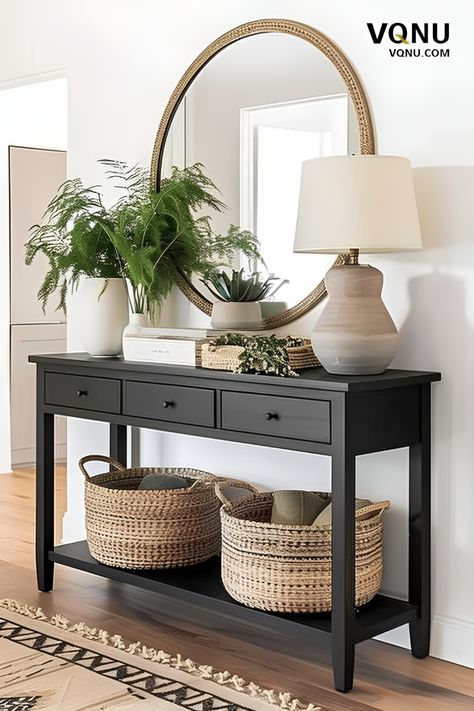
<point>132,676</point>
<point>18,703</point>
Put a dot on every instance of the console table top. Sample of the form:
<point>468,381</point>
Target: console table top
<point>314,378</point>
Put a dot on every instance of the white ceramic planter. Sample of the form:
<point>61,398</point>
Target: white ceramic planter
<point>236,314</point>
<point>272,308</point>
<point>104,316</point>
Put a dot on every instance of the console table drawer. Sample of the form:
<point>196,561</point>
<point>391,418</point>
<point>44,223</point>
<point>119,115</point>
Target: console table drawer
<point>189,406</point>
<point>294,418</point>
<point>85,393</point>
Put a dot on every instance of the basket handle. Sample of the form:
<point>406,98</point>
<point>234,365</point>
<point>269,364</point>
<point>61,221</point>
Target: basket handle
<point>232,483</point>
<point>376,509</point>
<point>206,478</point>
<point>99,458</point>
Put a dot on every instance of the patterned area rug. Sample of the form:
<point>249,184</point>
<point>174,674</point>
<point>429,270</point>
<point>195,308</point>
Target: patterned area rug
<point>53,665</point>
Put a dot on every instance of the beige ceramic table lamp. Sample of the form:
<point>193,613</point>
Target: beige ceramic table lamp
<point>356,204</point>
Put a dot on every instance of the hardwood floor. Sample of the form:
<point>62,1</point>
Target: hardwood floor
<point>387,678</point>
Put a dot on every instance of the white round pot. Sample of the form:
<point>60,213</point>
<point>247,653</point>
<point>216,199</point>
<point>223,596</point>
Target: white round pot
<point>272,308</point>
<point>236,314</point>
<point>105,315</point>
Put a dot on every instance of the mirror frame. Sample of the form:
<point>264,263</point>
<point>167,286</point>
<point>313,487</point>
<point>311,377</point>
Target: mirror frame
<point>362,110</point>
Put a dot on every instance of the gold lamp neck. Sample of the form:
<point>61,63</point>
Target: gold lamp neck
<point>353,256</point>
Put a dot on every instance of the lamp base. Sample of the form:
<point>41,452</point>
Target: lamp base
<point>355,334</point>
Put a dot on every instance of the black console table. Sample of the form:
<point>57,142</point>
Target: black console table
<point>340,417</point>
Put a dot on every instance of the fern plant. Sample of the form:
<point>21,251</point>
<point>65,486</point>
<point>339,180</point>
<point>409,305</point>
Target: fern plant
<point>73,241</point>
<point>150,239</point>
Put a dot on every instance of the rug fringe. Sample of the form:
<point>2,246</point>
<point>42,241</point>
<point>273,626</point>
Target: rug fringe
<point>224,678</point>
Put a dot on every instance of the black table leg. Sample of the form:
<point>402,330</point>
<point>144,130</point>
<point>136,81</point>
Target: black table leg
<point>44,494</point>
<point>118,443</point>
<point>419,587</point>
<point>343,569</point>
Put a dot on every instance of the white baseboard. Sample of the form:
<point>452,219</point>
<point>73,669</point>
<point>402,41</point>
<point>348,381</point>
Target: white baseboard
<point>399,637</point>
<point>451,640</point>
<point>26,457</point>
<point>73,528</point>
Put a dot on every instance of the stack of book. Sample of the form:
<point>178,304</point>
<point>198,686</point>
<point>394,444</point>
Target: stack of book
<point>178,346</point>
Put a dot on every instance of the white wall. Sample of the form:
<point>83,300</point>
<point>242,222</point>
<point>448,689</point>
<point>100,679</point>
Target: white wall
<point>123,60</point>
<point>31,114</point>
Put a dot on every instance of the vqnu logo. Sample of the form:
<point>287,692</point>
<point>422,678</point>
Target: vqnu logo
<point>407,40</point>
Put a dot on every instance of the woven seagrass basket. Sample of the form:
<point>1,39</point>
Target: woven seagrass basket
<point>286,568</point>
<point>227,357</point>
<point>147,529</point>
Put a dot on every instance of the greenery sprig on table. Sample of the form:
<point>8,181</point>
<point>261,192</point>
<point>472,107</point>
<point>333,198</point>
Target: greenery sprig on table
<point>261,354</point>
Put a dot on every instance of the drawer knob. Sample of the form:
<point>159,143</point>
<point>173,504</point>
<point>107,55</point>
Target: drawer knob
<point>167,403</point>
<point>81,393</point>
<point>272,416</point>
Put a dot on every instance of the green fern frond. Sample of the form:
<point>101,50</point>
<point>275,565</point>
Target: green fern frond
<point>150,238</point>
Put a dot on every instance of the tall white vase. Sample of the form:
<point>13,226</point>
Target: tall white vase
<point>104,316</point>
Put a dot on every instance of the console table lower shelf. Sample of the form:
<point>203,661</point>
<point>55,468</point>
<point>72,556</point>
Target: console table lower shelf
<point>202,585</point>
<point>340,417</point>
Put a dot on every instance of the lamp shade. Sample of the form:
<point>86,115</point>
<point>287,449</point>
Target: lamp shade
<point>357,202</point>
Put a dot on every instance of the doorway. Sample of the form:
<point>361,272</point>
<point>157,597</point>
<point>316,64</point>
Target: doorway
<point>33,144</point>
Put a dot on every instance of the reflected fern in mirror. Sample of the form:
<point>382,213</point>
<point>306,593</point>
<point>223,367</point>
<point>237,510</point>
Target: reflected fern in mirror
<point>158,235</point>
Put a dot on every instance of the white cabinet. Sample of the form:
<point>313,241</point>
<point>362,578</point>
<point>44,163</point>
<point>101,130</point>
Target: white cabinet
<point>35,174</point>
<point>39,338</point>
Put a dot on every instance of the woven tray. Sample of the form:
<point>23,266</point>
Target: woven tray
<point>227,357</point>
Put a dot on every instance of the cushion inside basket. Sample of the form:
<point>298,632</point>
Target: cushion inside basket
<point>122,484</point>
<point>158,481</point>
<point>258,507</point>
<point>130,480</point>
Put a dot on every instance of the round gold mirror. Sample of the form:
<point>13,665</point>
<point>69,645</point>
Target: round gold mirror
<point>251,108</point>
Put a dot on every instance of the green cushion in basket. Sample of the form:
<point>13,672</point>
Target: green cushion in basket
<point>164,481</point>
<point>296,507</point>
<point>325,516</point>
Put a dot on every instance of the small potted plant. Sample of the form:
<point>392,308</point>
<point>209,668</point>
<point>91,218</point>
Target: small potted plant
<point>238,297</point>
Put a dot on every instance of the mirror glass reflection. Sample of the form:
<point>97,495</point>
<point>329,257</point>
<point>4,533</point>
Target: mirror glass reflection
<point>251,116</point>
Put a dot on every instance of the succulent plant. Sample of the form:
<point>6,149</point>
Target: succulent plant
<point>242,287</point>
